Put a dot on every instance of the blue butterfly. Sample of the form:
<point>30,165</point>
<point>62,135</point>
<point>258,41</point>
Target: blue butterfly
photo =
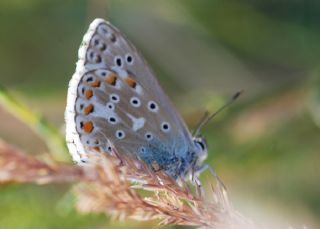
<point>115,103</point>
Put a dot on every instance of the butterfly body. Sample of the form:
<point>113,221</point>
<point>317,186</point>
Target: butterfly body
<point>115,103</point>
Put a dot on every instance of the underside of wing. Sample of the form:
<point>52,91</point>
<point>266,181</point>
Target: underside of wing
<point>114,100</point>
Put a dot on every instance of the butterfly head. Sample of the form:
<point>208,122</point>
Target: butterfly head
<point>201,149</point>
<point>194,160</point>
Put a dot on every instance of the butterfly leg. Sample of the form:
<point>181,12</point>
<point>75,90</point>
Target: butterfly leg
<point>198,186</point>
<point>204,167</point>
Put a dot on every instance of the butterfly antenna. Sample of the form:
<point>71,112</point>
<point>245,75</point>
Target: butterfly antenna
<point>199,124</point>
<point>207,118</point>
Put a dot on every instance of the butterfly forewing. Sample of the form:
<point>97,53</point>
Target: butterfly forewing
<point>114,100</point>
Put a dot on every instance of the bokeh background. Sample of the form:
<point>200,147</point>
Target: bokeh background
<point>266,147</point>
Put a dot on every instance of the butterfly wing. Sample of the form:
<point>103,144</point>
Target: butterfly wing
<point>114,100</point>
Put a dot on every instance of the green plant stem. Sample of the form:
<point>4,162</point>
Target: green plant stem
<point>47,132</point>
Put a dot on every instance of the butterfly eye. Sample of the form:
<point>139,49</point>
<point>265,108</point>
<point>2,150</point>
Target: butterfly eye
<point>120,134</point>
<point>201,143</point>
<point>135,102</point>
<point>165,127</point>
<point>153,106</point>
<point>115,98</point>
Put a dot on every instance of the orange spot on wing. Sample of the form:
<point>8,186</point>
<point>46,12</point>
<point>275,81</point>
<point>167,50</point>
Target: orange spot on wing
<point>111,79</point>
<point>88,94</point>
<point>88,109</point>
<point>131,83</point>
<point>95,83</point>
<point>88,127</point>
<point>96,148</point>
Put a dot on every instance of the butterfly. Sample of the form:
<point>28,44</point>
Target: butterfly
<point>115,103</point>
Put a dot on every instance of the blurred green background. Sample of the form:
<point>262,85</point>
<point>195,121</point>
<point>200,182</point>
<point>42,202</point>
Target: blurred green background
<point>266,147</point>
